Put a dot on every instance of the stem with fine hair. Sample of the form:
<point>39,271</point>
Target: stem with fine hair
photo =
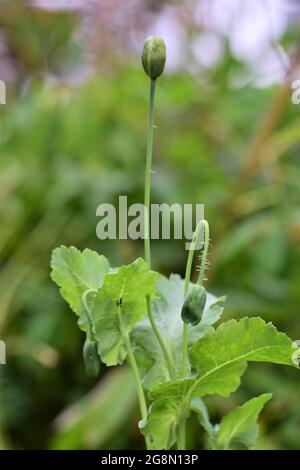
<point>147,249</point>
<point>203,223</point>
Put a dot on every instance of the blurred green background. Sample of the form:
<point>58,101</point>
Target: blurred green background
<point>72,136</point>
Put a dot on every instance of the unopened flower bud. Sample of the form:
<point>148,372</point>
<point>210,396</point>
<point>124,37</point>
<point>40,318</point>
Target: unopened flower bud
<point>91,358</point>
<point>194,304</point>
<point>154,56</point>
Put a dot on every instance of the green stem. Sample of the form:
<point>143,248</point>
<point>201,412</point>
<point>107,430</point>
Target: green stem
<point>148,175</point>
<point>134,368</point>
<point>204,254</point>
<point>160,340</point>
<point>147,249</point>
<point>181,434</point>
<point>203,223</point>
<point>88,312</point>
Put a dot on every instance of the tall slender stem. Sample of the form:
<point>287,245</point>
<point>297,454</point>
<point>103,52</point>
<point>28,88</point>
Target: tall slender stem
<point>148,170</point>
<point>147,229</point>
<point>203,223</point>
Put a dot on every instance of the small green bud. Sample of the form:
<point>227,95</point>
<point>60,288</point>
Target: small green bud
<point>154,56</point>
<point>91,358</point>
<point>193,306</point>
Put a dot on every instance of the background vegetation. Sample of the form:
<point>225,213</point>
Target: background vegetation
<point>72,135</point>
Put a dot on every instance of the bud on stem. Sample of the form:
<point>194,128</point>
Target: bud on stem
<point>91,358</point>
<point>194,304</point>
<point>154,56</point>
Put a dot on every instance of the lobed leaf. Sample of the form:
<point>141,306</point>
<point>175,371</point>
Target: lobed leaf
<point>129,286</point>
<point>75,272</point>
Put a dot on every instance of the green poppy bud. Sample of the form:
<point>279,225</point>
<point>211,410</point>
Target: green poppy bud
<point>91,358</point>
<point>193,306</point>
<point>154,56</point>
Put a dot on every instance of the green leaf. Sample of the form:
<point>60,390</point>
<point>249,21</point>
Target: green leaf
<point>166,309</point>
<point>239,429</point>
<point>220,359</point>
<point>165,413</point>
<point>129,286</point>
<point>198,406</point>
<point>75,272</point>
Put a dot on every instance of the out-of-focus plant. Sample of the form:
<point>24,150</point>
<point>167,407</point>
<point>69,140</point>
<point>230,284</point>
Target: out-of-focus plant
<point>37,41</point>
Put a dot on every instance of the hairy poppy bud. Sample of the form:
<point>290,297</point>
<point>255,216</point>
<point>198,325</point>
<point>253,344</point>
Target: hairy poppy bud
<point>193,306</point>
<point>91,358</point>
<point>154,56</point>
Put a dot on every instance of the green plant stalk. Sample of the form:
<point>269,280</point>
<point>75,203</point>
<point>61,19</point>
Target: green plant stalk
<point>147,248</point>
<point>147,193</point>
<point>181,434</point>
<point>201,276</point>
<point>134,368</point>
<point>203,223</point>
<point>88,312</point>
<point>159,338</point>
